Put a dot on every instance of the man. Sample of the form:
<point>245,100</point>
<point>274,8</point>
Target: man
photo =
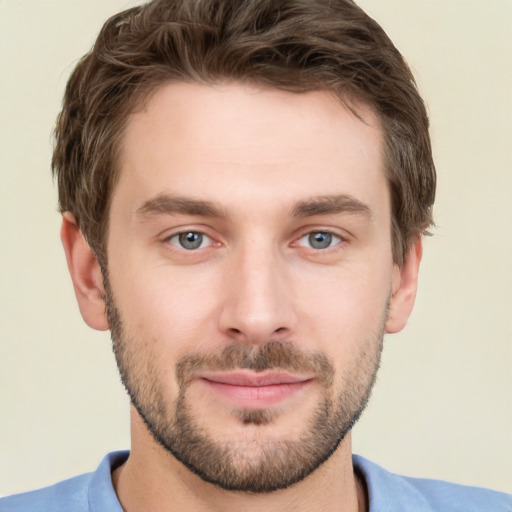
<point>244,188</point>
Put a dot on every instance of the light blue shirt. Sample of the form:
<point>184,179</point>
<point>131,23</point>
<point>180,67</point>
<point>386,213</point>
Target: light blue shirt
<point>93,492</point>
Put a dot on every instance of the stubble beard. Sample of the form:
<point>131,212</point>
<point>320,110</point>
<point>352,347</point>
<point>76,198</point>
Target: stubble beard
<point>247,465</point>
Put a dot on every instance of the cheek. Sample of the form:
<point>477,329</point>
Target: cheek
<point>171,306</point>
<point>344,310</point>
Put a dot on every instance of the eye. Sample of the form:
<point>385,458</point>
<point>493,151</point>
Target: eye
<point>190,240</point>
<point>319,240</point>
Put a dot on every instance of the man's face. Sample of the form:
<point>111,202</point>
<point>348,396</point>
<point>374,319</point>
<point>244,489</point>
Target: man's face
<point>249,276</point>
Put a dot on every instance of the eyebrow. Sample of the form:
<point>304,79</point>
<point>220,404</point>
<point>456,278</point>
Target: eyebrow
<point>327,205</point>
<point>165,204</point>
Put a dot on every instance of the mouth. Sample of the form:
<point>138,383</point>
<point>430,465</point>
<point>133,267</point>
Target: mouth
<point>251,390</point>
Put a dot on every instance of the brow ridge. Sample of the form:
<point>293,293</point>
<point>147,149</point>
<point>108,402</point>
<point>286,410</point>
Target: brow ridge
<point>331,204</point>
<point>167,204</point>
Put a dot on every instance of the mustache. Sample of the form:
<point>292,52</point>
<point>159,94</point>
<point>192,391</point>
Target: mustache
<point>273,355</point>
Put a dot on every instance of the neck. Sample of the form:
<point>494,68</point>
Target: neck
<point>152,479</point>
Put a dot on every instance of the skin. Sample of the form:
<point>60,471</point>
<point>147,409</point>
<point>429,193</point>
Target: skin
<point>255,155</point>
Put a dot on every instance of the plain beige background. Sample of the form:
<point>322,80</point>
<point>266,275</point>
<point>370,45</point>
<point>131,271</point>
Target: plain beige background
<point>442,406</point>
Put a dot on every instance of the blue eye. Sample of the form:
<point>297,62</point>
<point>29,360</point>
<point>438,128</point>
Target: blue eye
<point>190,240</point>
<point>319,240</point>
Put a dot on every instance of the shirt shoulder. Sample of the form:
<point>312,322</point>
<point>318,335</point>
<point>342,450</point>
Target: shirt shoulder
<point>91,492</point>
<point>390,492</point>
<point>69,495</point>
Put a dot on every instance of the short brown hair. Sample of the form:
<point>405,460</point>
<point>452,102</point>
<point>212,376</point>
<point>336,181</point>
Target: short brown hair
<point>294,45</point>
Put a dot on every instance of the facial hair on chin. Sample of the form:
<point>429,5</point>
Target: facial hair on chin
<point>245,465</point>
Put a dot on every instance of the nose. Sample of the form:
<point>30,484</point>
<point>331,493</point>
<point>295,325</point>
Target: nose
<point>258,298</point>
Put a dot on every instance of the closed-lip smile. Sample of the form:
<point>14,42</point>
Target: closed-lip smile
<point>255,390</point>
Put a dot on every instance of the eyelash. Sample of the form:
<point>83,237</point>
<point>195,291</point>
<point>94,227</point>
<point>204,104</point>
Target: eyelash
<point>179,239</point>
<point>180,235</point>
<point>332,237</point>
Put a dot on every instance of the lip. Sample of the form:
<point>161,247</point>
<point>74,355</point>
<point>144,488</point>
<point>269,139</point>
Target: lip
<point>253,390</point>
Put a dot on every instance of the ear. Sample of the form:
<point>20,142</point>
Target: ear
<point>405,284</point>
<point>85,274</point>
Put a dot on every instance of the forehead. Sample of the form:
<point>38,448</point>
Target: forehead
<point>197,138</point>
